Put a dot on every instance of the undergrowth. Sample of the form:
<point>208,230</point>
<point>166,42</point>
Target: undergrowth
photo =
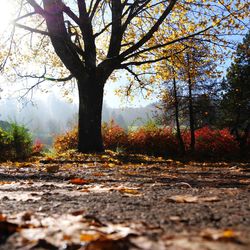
<point>158,141</point>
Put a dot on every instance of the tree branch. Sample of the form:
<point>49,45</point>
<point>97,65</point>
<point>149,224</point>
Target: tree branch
<point>151,32</point>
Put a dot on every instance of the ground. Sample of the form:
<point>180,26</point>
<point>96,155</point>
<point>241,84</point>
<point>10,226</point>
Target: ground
<point>111,202</point>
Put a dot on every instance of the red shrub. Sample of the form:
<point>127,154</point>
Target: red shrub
<point>37,147</point>
<point>113,136</point>
<point>153,141</point>
<point>213,142</point>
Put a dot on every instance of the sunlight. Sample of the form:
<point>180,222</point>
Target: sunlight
<point>5,14</point>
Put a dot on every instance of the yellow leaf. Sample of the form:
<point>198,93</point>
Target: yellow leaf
<point>228,234</point>
<point>129,191</point>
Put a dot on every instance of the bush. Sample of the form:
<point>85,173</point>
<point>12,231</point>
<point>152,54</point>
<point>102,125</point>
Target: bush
<point>114,136</point>
<point>213,143</point>
<point>37,147</point>
<point>153,140</point>
<point>21,141</point>
<point>15,143</point>
<point>66,141</point>
<point>5,145</point>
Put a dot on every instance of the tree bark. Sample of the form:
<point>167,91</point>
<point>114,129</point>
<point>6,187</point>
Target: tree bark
<point>191,109</point>
<point>176,105</point>
<point>90,90</point>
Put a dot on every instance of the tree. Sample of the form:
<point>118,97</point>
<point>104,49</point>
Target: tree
<point>192,70</point>
<point>94,38</point>
<point>235,104</point>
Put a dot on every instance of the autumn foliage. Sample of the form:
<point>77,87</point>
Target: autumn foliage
<point>213,143</point>
<point>66,141</point>
<point>37,147</point>
<point>154,140</point>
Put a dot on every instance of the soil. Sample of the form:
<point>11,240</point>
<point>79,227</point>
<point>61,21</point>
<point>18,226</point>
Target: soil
<point>150,204</point>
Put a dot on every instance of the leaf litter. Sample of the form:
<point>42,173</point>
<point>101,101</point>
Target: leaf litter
<point>137,192</point>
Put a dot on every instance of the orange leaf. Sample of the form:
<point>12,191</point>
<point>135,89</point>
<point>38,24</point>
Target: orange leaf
<point>87,237</point>
<point>80,181</point>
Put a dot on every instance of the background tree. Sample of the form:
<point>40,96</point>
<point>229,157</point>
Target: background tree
<point>194,67</point>
<point>93,38</point>
<point>235,104</point>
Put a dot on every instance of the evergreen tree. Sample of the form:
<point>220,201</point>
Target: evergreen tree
<point>235,104</point>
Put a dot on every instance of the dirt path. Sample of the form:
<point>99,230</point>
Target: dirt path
<point>99,205</point>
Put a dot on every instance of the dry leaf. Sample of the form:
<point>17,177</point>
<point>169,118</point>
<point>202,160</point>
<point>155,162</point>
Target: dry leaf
<point>129,191</point>
<point>85,190</point>
<point>213,234</point>
<point>209,199</point>
<point>80,181</point>
<point>52,168</point>
<point>192,199</point>
<point>3,217</point>
<point>107,244</point>
<point>5,182</point>
<point>183,198</point>
<point>78,212</point>
<point>88,237</point>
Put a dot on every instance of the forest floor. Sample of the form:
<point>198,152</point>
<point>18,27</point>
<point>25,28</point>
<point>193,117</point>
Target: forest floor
<point>114,202</point>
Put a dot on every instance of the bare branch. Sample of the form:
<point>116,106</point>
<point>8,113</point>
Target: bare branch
<point>24,16</point>
<point>42,32</point>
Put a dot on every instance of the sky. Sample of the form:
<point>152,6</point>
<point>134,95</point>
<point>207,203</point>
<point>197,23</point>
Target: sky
<point>110,98</point>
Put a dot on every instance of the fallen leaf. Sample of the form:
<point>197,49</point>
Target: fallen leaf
<point>110,165</point>
<point>5,182</point>
<point>209,199</point>
<point>26,216</point>
<point>229,233</point>
<point>192,199</point>
<point>175,218</point>
<point>213,234</point>
<point>78,212</point>
<point>183,198</point>
<point>129,191</point>
<point>107,244</point>
<point>85,190</point>
<point>88,237</point>
<point>97,174</point>
<point>3,217</point>
<point>80,181</point>
<point>52,168</point>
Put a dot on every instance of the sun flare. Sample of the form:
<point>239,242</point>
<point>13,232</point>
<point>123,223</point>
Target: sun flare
<point>6,14</point>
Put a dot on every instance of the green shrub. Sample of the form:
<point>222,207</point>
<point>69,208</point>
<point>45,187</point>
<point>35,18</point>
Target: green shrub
<point>5,145</point>
<point>21,140</point>
<point>15,143</point>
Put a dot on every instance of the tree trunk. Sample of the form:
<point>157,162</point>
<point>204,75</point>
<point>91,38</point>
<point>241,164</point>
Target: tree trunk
<point>90,114</point>
<point>191,109</point>
<point>176,105</point>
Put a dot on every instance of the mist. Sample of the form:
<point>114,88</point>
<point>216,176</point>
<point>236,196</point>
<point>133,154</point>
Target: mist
<point>50,116</point>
